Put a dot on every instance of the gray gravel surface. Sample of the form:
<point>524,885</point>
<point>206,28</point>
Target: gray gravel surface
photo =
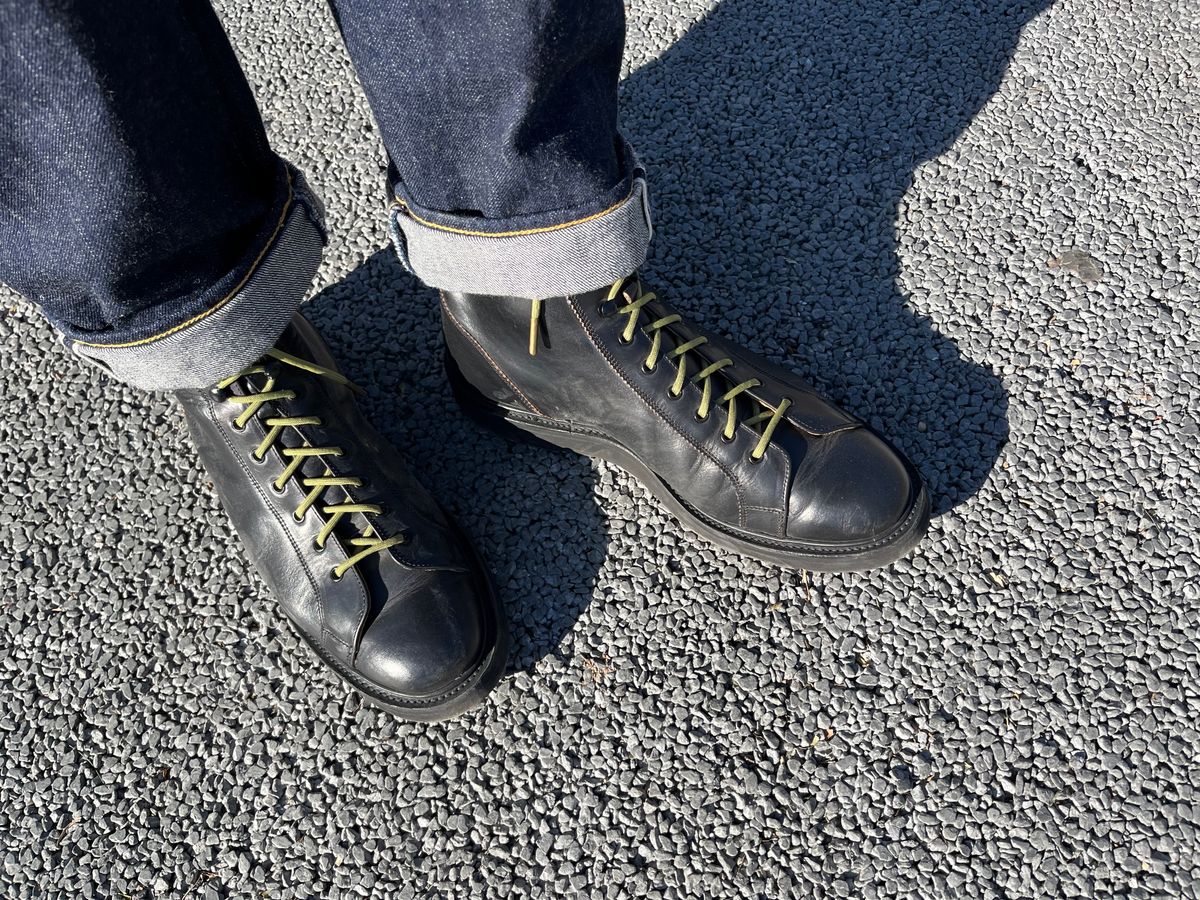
<point>972,221</point>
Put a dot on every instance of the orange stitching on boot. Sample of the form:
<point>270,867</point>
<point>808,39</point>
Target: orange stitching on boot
<point>470,337</point>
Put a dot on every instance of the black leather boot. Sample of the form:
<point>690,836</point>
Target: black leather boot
<point>368,568</point>
<point>740,450</point>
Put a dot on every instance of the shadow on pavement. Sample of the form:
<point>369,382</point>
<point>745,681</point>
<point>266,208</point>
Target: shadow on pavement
<point>780,137</point>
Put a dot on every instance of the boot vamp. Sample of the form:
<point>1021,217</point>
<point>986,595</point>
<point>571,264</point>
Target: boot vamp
<point>847,485</point>
<point>829,475</point>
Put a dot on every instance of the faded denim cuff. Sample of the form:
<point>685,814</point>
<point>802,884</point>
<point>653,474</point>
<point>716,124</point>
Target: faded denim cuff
<point>586,248</point>
<point>237,330</point>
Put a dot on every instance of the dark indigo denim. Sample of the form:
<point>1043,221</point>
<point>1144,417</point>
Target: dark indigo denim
<point>137,186</point>
<point>136,182</point>
<point>495,109</point>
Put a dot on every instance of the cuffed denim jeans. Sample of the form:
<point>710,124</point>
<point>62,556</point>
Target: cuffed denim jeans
<point>142,209</point>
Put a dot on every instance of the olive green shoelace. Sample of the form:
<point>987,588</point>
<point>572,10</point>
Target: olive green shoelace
<point>705,376</point>
<point>370,541</point>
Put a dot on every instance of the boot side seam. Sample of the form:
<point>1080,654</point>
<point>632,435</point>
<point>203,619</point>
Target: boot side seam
<point>787,487</point>
<point>483,352</point>
<point>778,513</point>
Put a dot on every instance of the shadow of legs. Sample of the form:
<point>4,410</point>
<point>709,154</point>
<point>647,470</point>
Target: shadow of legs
<point>781,136</point>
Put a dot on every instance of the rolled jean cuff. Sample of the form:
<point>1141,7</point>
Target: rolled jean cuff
<point>584,250</point>
<point>234,332</point>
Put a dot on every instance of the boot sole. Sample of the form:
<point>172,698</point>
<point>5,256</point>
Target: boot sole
<point>526,427</point>
<point>471,689</point>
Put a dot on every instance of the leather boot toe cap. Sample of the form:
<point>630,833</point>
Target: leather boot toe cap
<point>424,646</point>
<point>852,489</point>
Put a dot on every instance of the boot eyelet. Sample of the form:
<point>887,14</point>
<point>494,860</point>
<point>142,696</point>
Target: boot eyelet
<point>606,309</point>
<point>755,460</point>
<point>700,418</point>
<point>278,490</point>
<point>649,370</point>
<point>318,547</point>
<point>728,440</point>
<point>297,519</point>
<point>621,339</point>
<point>235,426</point>
<point>674,396</point>
<point>335,576</point>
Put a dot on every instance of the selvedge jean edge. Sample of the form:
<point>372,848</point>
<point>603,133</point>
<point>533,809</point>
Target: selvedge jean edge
<point>588,249</point>
<point>234,332</point>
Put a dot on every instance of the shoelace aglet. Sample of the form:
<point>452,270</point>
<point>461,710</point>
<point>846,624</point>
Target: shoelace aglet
<point>315,369</point>
<point>535,315</point>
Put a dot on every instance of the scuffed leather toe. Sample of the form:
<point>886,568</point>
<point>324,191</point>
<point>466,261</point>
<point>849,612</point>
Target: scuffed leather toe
<point>423,646</point>
<point>851,489</point>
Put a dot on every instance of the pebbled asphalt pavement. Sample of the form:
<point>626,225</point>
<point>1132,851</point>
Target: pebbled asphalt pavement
<point>973,223</point>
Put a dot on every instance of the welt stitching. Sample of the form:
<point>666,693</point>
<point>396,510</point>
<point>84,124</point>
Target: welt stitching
<point>889,538</point>
<point>470,337</point>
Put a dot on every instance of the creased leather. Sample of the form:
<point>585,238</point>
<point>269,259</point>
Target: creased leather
<point>826,478</point>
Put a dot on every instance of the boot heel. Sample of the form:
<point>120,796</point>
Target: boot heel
<point>484,412</point>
